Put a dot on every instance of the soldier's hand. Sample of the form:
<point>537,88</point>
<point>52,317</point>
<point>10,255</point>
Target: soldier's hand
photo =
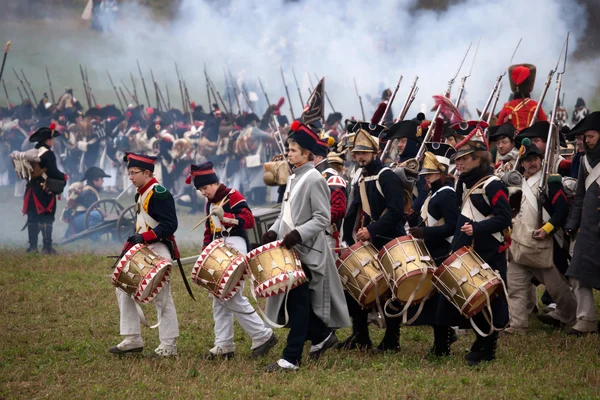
<point>136,239</point>
<point>467,229</point>
<point>540,234</point>
<point>363,235</point>
<point>269,237</point>
<point>218,212</point>
<point>291,239</point>
<point>417,232</point>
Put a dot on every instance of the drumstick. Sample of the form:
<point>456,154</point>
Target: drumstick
<point>203,220</point>
<point>385,237</point>
<point>310,248</point>
<point>339,248</point>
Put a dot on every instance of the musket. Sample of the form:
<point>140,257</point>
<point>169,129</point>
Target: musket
<point>123,95</point>
<point>547,86</point>
<point>463,80</point>
<point>133,97</point>
<point>412,94</point>
<point>187,98</point>
<point>143,83</point>
<point>247,97</point>
<point>562,102</point>
<point>228,90</point>
<point>134,87</point>
<point>158,104</point>
<point>115,89</point>
<point>50,84</point>
<point>85,89</point>
<point>553,140</point>
<point>87,82</point>
<point>22,84</point>
<point>6,93</point>
<point>29,86</point>
<point>20,95</point>
<point>493,110</point>
<point>185,107</point>
<point>235,91</point>
<point>207,89</point>
<point>168,97</point>
<point>162,99</point>
<point>213,90</point>
<point>390,101</point>
<point>298,88</point>
<point>6,48</point>
<point>287,93</point>
<point>431,129</point>
<point>362,110</point>
<point>264,92</point>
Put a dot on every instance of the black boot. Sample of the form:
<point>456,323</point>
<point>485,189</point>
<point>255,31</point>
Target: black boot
<point>442,339</point>
<point>486,352</point>
<point>359,339</point>
<point>391,339</point>
<point>33,232</point>
<point>46,229</point>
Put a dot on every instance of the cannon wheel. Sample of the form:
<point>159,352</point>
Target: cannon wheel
<point>109,208</point>
<point>126,223</point>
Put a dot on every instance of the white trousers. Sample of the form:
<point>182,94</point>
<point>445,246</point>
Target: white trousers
<point>168,330</point>
<point>586,309</point>
<point>240,308</point>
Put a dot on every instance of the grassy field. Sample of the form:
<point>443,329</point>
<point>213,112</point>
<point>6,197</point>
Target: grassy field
<point>60,317</point>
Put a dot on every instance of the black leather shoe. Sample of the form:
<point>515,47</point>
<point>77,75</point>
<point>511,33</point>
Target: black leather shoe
<point>116,350</point>
<point>222,356</point>
<point>264,348</point>
<point>330,342</point>
<point>354,343</point>
<point>549,320</point>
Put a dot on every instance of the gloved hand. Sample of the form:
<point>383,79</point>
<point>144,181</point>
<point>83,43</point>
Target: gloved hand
<point>269,237</point>
<point>218,212</point>
<point>136,239</point>
<point>291,239</point>
<point>417,232</point>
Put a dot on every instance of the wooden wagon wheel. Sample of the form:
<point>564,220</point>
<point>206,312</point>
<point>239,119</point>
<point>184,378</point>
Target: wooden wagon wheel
<point>109,208</point>
<point>126,223</point>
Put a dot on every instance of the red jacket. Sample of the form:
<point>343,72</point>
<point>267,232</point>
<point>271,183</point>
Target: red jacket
<point>519,112</point>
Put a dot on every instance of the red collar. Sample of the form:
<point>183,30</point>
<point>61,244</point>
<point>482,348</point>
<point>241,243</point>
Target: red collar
<point>299,165</point>
<point>221,192</point>
<point>143,189</point>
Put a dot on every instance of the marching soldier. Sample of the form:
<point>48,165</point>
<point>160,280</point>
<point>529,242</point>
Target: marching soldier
<point>584,271</point>
<point>41,190</point>
<point>315,307</point>
<point>532,248</point>
<point>376,215</point>
<point>507,154</point>
<point>484,219</point>
<point>230,217</point>
<point>520,110</point>
<point>155,226</point>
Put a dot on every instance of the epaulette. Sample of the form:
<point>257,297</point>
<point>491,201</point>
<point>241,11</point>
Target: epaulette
<point>554,178</point>
<point>161,192</point>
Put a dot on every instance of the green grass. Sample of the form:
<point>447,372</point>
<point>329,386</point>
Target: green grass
<point>60,316</point>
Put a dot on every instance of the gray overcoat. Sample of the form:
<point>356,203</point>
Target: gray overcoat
<point>311,216</point>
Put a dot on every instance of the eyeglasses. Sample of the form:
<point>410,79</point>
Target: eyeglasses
<point>132,173</point>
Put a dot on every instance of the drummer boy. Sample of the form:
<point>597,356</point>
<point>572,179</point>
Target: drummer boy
<point>230,216</point>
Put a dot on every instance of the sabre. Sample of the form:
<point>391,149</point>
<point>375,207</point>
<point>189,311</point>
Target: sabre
<point>287,93</point>
<point>390,101</point>
<point>6,48</point>
<point>464,78</point>
<point>143,83</point>
<point>548,83</point>
<point>50,84</point>
<point>298,88</point>
<point>553,140</point>
<point>362,110</point>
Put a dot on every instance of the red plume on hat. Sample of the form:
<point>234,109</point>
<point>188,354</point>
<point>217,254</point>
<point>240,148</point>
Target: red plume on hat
<point>447,109</point>
<point>519,74</point>
<point>378,115</point>
<point>295,125</point>
<point>277,106</point>
<point>193,105</point>
<point>476,135</point>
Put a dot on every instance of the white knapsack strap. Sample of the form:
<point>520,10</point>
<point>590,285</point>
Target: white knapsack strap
<point>593,173</point>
